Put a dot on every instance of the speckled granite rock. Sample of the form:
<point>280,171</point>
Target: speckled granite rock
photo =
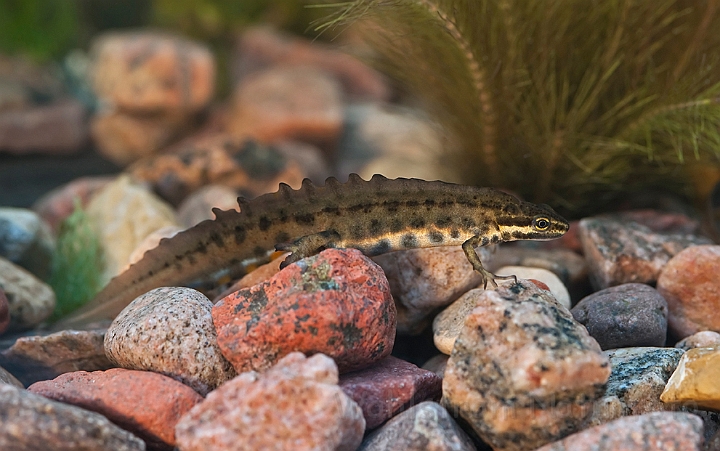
<point>553,282</point>
<point>704,339</point>
<point>8,378</point>
<point>621,251</point>
<point>522,372</point>
<point>425,280</point>
<point>388,386</point>
<point>40,357</point>
<point>294,405</point>
<point>337,303</point>
<point>690,284</point>
<point>33,422</point>
<point>147,404</point>
<point>658,431</point>
<point>170,331</point>
<point>30,300</point>
<point>424,427</point>
<point>631,314</point>
<point>26,241</point>
<point>695,380</point>
<point>638,378</point>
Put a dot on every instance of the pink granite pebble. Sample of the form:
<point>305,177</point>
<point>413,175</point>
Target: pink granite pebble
<point>337,303</point>
<point>144,403</point>
<point>389,386</point>
<point>296,405</point>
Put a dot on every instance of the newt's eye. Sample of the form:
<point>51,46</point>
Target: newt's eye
<point>541,223</point>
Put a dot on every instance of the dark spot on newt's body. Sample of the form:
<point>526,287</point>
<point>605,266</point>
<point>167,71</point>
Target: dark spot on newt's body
<point>455,233</point>
<point>240,234</point>
<point>357,231</point>
<point>381,247</point>
<point>409,241</point>
<point>283,217</point>
<point>282,237</point>
<point>201,248</point>
<point>443,221</point>
<point>429,204</point>
<point>391,205</point>
<point>412,203</point>
<point>375,227</point>
<point>217,239</point>
<point>468,222</point>
<point>417,223</point>
<point>305,219</point>
<point>331,211</point>
<point>436,237</point>
<point>264,223</point>
<point>396,225</point>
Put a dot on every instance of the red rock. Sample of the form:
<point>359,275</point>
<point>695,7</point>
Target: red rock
<point>4,312</point>
<point>144,403</point>
<point>57,128</point>
<point>147,71</point>
<point>59,203</point>
<point>337,303</point>
<point>657,431</point>
<point>390,385</point>
<point>286,103</point>
<point>260,47</point>
<point>295,405</point>
<point>690,285</point>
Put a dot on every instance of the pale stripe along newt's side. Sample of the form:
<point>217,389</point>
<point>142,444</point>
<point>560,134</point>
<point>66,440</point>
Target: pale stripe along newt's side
<point>375,216</point>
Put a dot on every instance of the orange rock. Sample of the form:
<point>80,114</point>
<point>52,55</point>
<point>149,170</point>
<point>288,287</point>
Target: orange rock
<point>144,403</point>
<point>337,303</point>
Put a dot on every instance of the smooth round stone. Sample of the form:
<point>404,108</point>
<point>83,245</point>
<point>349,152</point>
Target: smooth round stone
<point>557,288</point>
<point>30,300</point>
<point>26,241</point>
<point>170,331</point>
<point>448,323</point>
<point>704,339</point>
<point>628,315</point>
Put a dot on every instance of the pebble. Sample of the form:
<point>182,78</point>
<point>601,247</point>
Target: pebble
<point>55,206</point>
<point>260,47</point>
<point>30,300</point>
<point>657,431</point>
<point>256,276</point>
<point>147,404</point>
<point>437,364</point>
<point>218,158</point>
<point>424,427</point>
<point>7,378</point>
<point>170,331</point>
<point>628,315</point>
<point>198,206</point>
<point>690,284</point>
<point>553,282</point>
<point>694,382</point>
<point>294,405</point>
<point>288,103</point>
<point>522,372</point>
<point>704,339</point>
<point>33,422</point>
<point>337,303</point>
<point>619,250</point>
<point>389,386</point>
<point>422,281</point>
<point>26,241</point>
<point>448,323</point>
<point>123,214</point>
<point>638,378</point>
<point>39,357</point>
<point>148,71</point>
<point>4,312</point>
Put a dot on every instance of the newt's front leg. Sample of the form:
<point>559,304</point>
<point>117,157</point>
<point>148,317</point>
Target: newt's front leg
<point>308,245</point>
<point>472,256</point>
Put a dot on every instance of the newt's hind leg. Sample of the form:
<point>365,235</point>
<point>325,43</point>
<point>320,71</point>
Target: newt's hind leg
<point>469,248</point>
<point>308,245</point>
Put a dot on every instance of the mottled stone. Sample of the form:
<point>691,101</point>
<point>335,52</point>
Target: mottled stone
<point>632,314</point>
<point>58,128</point>
<point>553,282</point>
<point>218,158</point>
<point>33,422</point>
<point>695,380</point>
<point>658,431</point>
<point>638,377</point>
<point>425,280</point>
<point>123,214</point>
<point>622,251</point>
<point>198,206</point>
<point>7,378</point>
<point>437,364</point>
<point>170,331</point>
<point>26,241</point>
<point>425,427</point>
<point>337,303</point>
<point>522,372</point>
<point>30,300</point>
<point>389,386</point>
<point>258,48</point>
<point>55,206</point>
<point>148,71</point>
<point>4,312</point>
<point>147,404</point>
<point>41,357</point>
<point>704,339</point>
<point>690,285</point>
<point>288,103</point>
<point>295,405</point>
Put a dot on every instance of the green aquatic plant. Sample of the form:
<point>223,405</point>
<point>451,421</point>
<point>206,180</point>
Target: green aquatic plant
<point>77,263</point>
<point>571,102</point>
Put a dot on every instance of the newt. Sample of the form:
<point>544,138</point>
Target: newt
<point>375,217</point>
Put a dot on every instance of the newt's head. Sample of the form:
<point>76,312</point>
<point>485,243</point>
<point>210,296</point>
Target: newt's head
<point>528,221</point>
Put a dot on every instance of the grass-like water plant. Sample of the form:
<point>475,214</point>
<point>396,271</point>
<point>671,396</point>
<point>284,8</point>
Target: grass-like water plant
<point>571,102</point>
